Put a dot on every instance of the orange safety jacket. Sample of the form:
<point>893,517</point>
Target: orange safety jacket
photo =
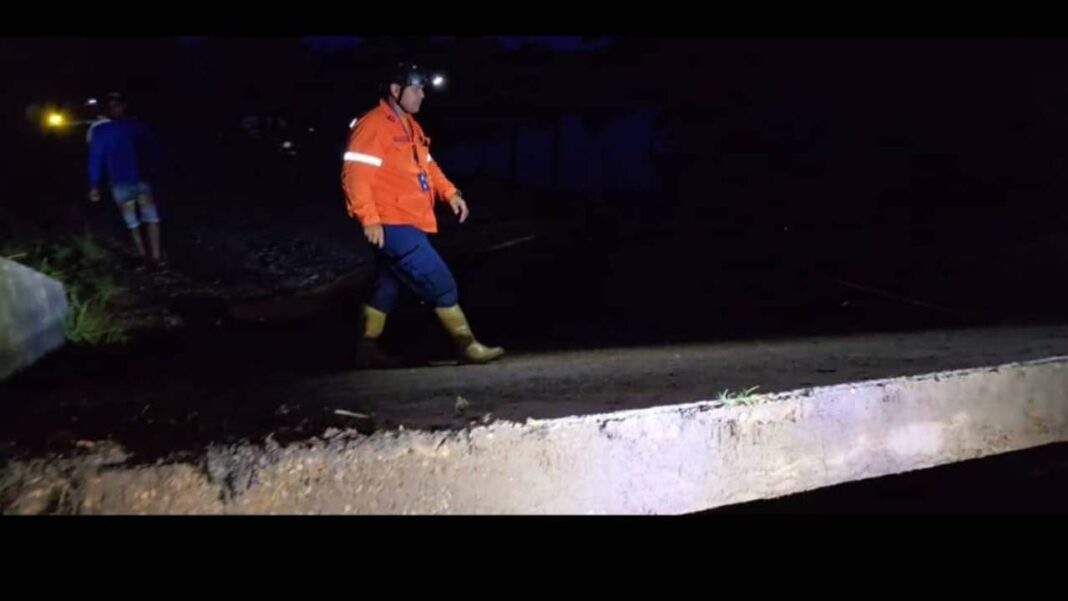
<point>388,176</point>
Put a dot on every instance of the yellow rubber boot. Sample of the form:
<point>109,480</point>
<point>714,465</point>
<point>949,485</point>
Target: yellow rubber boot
<point>471,350</point>
<point>368,354</point>
<point>374,321</point>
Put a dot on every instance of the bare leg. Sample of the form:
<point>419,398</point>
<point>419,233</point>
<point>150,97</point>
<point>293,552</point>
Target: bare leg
<point>138,242</point>
<point>129,215</point>
<point>153,240</point>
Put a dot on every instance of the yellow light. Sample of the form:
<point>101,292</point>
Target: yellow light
<point>56,119</point>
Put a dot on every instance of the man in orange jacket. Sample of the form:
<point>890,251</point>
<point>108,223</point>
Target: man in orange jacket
<point>391,182</point>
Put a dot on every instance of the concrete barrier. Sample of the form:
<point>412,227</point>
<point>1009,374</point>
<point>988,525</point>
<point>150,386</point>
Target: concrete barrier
<point>660,460</point>
<point>32,309</point>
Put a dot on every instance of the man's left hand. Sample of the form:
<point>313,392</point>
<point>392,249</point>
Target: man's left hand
<point>459,206</point>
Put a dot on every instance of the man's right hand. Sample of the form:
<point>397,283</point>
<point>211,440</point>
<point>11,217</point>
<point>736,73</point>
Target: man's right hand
<point>375,234</point>
<point>94,195</point>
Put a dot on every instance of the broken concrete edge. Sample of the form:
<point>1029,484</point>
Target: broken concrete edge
<point>235,477</point>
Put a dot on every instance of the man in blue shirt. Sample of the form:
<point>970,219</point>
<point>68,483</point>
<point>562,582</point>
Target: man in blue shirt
<point>126,149</point>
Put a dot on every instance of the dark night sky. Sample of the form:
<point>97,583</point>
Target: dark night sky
<point>558,43</point>
<point>851,123</point>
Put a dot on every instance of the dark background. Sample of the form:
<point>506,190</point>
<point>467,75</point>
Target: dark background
<point>678,187</point>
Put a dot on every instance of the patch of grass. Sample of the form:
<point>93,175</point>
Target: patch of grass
<point>90,323</point>
<point>81,264</point>
<point>742,398</point>
<point>13,250</point>
<point>88,249</point>
<point>106,288</point>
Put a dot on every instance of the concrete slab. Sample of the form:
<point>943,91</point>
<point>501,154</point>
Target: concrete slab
<point>32,309</point>
<point>656,460</point>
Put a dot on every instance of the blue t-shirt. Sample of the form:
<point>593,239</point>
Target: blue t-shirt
<point>126,148</point>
